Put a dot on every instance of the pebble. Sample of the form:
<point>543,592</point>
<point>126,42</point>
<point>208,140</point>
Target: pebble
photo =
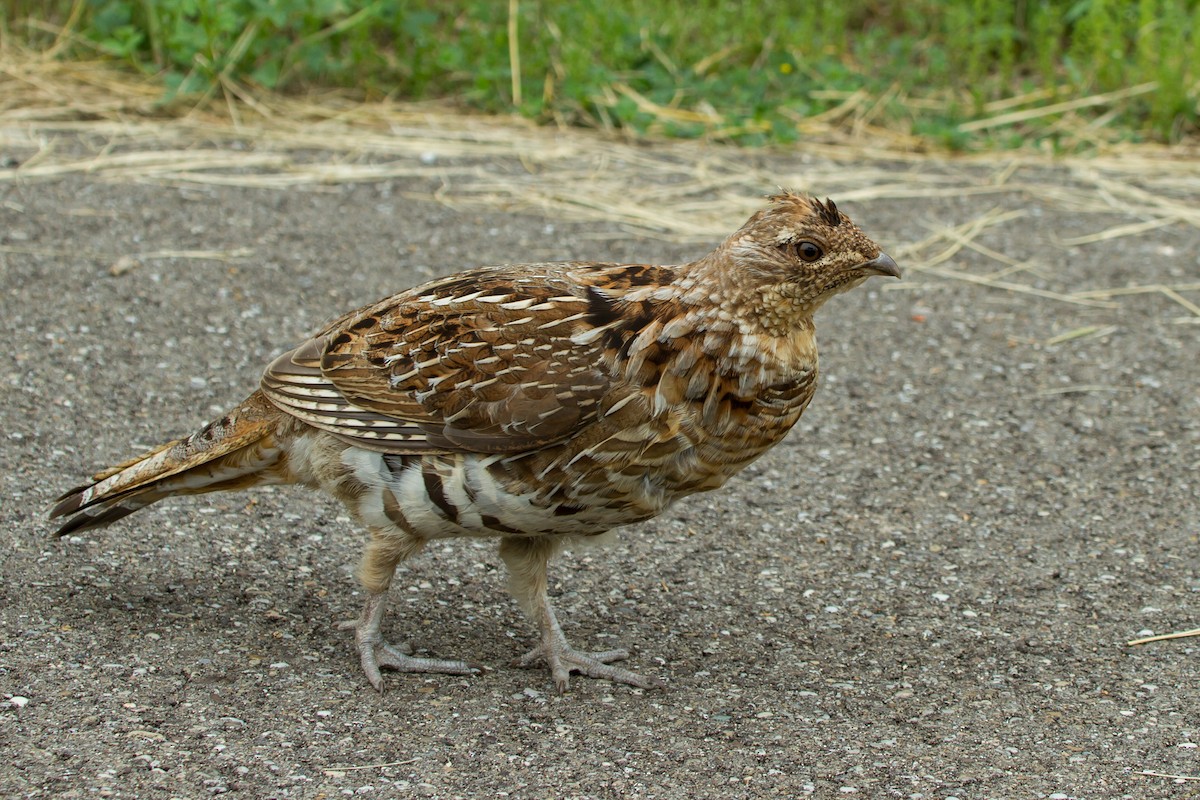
<point>123,264</point>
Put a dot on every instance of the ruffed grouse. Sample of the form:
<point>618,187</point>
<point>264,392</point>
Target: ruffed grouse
<point>532,403</point>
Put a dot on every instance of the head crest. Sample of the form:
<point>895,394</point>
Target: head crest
<point>827,211</point>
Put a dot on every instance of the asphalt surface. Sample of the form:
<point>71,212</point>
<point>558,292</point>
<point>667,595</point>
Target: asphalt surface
<point>924,592</point>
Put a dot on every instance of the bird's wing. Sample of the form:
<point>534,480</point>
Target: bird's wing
<point>487,362</point>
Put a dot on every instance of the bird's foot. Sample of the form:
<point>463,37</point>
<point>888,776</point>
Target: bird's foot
<point>379,655</point>
<point>563,659</point>
<point>376,654</point>
<point>526,560</point>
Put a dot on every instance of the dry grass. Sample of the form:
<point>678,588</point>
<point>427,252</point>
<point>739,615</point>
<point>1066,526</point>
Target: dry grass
<point>1173,777</point>
<point>1162,637</point>
<point>682,191</point>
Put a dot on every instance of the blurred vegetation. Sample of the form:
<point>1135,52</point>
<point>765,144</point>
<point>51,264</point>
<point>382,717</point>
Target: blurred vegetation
<point>941,70</point>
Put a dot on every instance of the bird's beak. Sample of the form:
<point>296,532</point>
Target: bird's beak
<point>881,264</point>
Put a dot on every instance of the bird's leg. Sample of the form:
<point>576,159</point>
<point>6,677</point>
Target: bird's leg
<point>526,559</point>
<point>379,563</point>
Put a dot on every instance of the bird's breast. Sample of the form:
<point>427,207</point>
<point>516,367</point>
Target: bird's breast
<point>704,408</point>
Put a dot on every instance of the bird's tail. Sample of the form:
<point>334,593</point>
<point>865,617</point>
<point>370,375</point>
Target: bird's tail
<point>235,452</point>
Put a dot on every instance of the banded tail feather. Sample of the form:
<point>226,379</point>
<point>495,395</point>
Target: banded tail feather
<point>234,452</point>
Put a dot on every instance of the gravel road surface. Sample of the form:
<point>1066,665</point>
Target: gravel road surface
<point>925,592</point>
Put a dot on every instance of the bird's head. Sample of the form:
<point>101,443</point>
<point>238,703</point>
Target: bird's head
<point>798,252</point>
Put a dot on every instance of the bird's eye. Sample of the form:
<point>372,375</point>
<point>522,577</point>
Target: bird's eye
<point>808,251</point>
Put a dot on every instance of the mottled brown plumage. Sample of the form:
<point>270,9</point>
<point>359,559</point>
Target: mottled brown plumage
<point>531,403</point>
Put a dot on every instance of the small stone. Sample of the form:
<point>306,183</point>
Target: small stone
<point>122,265</point>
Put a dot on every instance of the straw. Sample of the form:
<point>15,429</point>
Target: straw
<point>65,118</point>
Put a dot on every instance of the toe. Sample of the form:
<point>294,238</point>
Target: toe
<point>392,658</point>
<point>370,667</point>
<point>562,661</point>
<point>597,669</point>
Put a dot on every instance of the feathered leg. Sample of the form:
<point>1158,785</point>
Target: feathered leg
<point>526,558</point>
<point>383,555</point>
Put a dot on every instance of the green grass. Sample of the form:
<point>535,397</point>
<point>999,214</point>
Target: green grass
<point>746,72</point>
